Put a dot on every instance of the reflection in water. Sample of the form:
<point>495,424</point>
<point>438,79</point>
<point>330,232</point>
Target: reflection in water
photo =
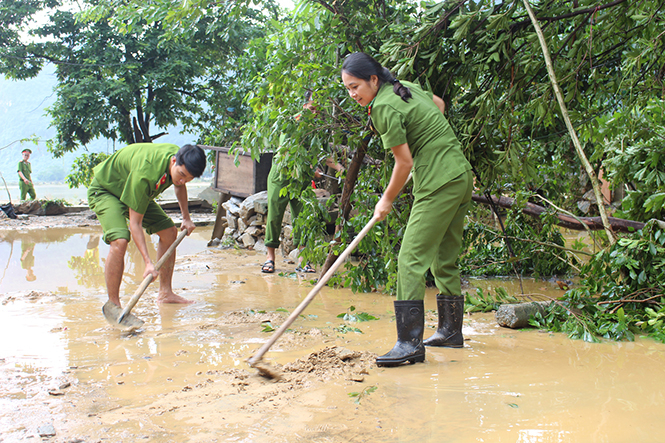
<point>28,259</point>
<point>67,261</point>
<point>87,268</point>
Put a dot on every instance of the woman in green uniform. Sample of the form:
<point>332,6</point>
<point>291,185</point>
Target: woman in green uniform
<point>411,124</point>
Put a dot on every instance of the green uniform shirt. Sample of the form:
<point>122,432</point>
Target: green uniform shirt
<point>25,168</point>
<point>437,154</point>
<point>137,174</point>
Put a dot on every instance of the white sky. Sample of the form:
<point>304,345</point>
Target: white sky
<point>288,4</point>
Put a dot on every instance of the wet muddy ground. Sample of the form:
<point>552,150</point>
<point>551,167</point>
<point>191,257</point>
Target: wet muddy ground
<point>68,376</point>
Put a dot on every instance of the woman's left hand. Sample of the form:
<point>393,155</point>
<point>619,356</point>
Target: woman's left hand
<point>382,208</point>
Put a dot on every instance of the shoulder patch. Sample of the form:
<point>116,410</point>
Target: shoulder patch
<point>160,182</point>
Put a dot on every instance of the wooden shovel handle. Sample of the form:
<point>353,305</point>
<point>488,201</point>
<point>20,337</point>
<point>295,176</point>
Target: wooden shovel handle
<point>146,281</point>
<point>322,282</point>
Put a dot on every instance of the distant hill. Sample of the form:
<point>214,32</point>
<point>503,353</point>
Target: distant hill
<point>22,115</point>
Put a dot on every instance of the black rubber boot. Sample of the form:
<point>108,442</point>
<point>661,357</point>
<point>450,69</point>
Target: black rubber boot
<point>410,319</point>
<point>449,332</point>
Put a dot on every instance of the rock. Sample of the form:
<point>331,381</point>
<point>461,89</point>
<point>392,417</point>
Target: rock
<point>293,255</point>
<point>261,206</point>
<point>247,206</point>
<point>242,226</point>
<point>46,430</point>
<point>232,206</point>
<point>260,246</point>
<point>247,240</point>
<point>257,220</point>
<point>254,231</point>
<point>231,220</point>
<point>517,315</point>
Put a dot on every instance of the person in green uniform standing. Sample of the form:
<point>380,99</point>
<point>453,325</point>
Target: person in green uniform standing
<point>122,194</point>
<point>411,124</point>
<point>24,176</point>
<point>277,205</point>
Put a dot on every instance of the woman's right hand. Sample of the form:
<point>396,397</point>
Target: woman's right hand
<point>382,208</point>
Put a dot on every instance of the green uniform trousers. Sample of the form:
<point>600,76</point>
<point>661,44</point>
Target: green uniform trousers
<point>277,207</point>
<point>433,239</point>
<point>27,189</point>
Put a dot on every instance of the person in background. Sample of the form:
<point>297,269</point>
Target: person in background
<point>24,176</point>
<point>277,206</point>
<point>123,193</point>
<point>411,124</point>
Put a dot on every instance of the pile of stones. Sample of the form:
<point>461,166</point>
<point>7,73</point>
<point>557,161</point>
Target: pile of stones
<point>245,223</point>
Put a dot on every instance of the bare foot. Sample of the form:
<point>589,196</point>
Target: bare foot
<point>172,298</point>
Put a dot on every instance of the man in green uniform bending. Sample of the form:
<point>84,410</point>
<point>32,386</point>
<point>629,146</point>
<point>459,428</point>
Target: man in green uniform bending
<point>24,176</point>
<point>124,188</point>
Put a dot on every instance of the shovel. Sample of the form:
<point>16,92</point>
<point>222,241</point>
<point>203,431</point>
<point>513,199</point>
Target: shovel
<point>122,318</point>
<point>254,360</point>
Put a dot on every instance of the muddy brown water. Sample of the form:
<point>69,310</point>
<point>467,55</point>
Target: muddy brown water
<point>183,377</point>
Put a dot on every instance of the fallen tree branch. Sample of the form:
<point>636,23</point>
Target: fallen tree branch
<point>564,220</point>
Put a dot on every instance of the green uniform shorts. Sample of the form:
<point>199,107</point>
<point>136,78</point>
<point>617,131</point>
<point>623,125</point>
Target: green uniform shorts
<point>113,215</point>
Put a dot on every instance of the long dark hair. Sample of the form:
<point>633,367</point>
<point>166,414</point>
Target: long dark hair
<point>363,66</point>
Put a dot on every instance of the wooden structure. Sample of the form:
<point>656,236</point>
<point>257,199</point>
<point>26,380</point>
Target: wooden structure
<point>245,179</point>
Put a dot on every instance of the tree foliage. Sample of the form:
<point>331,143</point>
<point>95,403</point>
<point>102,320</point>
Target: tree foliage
<point>126,80</point>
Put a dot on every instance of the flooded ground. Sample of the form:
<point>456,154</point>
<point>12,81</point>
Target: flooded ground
<point>69,376</point>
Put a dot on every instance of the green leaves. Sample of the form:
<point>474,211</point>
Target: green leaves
<point>620,294</point>
<point>358,396</point>
<point>482,302</point>
<point>352,316</point>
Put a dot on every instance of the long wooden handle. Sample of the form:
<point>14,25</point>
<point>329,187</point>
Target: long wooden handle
<point>146,281</point>
<point>322,282</point>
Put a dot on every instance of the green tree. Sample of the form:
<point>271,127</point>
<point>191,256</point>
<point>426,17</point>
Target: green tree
<point>128,81</point>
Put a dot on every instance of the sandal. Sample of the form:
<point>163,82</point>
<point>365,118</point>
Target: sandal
<point>268,267</point>
<point>306,269</point>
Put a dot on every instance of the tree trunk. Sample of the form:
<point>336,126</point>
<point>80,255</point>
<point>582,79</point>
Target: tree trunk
<point>345,201</point>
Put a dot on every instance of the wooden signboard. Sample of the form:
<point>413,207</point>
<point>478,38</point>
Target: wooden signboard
<point>243,180</point>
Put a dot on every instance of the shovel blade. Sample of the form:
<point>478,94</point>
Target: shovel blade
<point>112,312</point>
